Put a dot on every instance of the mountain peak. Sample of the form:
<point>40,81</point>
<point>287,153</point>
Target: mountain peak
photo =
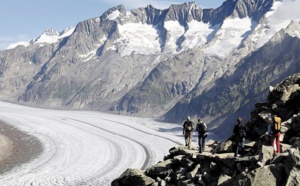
<point>114,12</point>
<point>184,12</point>
<point>51,36</point>
<point>50,32</point>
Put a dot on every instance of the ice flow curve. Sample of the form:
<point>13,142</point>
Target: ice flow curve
<point>84,148</point>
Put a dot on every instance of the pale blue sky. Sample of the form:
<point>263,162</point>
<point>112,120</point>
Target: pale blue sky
<point>23,20</point>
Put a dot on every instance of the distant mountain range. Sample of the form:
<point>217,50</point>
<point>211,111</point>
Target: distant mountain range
<point>49,36</point>
<point>184,60</point>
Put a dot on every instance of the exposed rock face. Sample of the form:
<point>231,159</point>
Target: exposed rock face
<point>241,9</point>
<point>245,86</point>
<point>188,167</point>
<point>260,165</point>
<point>133,177</point>
<point>283,100</point>
<point>184,60</point>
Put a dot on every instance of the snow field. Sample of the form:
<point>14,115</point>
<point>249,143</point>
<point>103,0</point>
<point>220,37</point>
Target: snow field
<point>85,148</point>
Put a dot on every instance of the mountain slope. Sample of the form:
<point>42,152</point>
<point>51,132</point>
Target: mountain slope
<point>234,94</point>
<point>169,63</point>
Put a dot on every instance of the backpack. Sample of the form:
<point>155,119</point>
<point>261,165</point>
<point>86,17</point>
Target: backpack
<point>277,124</point>
<point>189,126</point>
<point>201,128</point>
<point>242,131</point>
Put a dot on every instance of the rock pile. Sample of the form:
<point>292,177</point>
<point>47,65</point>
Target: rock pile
<point>218,166</point>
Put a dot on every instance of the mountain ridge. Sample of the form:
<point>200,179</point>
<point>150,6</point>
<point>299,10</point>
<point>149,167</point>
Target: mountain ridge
<point>155,63</point>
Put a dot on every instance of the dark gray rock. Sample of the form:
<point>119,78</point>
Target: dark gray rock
<point>223,178</point>
<point>162,169</point>
<point>133,177</point>
<point>193,173</point>
<point>260,166</point>
<point>266,154</point>
<point>294,177</point>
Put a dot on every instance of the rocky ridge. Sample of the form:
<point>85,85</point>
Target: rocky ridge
<point>218,166</point>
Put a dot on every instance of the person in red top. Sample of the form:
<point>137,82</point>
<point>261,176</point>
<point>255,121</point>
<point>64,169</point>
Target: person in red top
<point>276,134</point>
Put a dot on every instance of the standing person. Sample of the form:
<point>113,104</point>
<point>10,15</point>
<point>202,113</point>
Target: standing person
<point>239,133</point>
<point>188,127</point>
<point>276,134</point>
<point>201,128</point>
<point>270,125</point>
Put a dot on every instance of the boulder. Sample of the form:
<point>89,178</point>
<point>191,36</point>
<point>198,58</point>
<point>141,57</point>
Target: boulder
<point>294,177</point>
<point>228,162</point>
<point>211,143</point>
<point>179,157</point>
<point>201,181</point>
<point>192,174</point>
<point>285,147</point>
<point>279,158</point>
<point>295,142</point>
<point>266,154</point>
<point>162,169</point>
<point>133,177</point>
<point>186,183</point>
<point>268,175</point>
<point>292,160</point>
<point>225,146</point>
<point>223,178</point>
<point>206,177</point>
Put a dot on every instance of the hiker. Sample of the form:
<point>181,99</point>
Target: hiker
<point>276,134</point>
<point>239,133</point>
<point>270,125</point>
<point>188,127</point>
<point>201,128</point>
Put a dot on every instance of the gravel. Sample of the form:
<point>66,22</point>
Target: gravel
<point>16,147</point>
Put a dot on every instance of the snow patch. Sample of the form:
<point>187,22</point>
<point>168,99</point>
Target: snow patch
<point>229,36</point>
<point>283,12</point>
<point>196,35</point>
<point>296,33</point>
<point>21,43</point>
<point>114,15</point>
<point>52,36</point>
<point>175,31</point>
<point>137,38</point>
<point>66,33</point>
<point>89,55</point>
<point>49,36</point>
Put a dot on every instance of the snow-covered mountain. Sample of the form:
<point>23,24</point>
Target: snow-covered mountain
<point>184,60</point>
<point>49,36</point>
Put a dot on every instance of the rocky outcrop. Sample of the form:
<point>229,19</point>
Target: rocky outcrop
<point>187,167</point>
<point>259,166</point>
<point>283,100</point>
<point>133,177</point>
